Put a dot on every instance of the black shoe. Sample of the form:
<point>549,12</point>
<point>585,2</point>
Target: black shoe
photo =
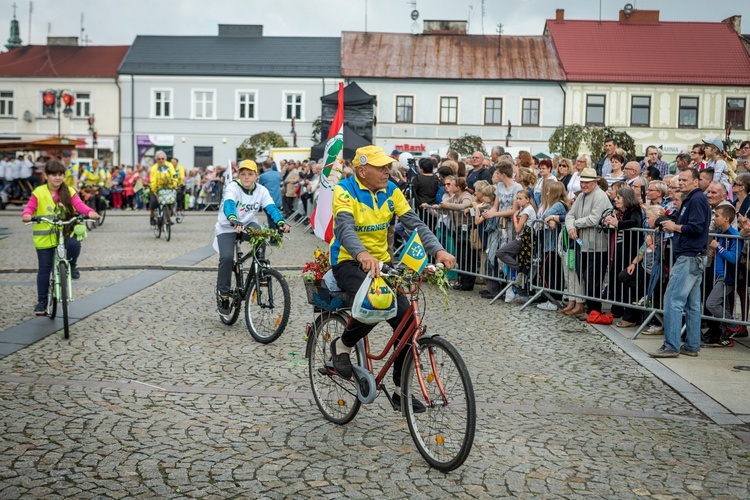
<point>75,273</point>
<point>40,309</point>
<point>416,404</point>
<point>153,221</point>
<point>224,305</point>
<point>341,362</point>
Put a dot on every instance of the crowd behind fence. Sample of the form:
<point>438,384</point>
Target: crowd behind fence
<point>626,269</point>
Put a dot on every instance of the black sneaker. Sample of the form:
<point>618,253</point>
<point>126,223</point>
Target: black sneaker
<point>75,273</point>
<point>153,221</point>
<point>224,305</point>
<point>40,309</point>
<point>342,363</point>
<point>416,404</point>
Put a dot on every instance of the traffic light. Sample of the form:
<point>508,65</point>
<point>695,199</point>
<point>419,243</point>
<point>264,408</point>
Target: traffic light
<point>91,121</point>
<point>69,100</point>
<point>48,100</point>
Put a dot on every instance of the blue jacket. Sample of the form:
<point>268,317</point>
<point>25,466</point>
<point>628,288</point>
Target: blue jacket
<point>271,180</point>
<point>695,218</point>
<point>727,255</point>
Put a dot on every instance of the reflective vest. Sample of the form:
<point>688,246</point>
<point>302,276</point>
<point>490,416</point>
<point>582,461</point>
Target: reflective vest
<point>45,235</point>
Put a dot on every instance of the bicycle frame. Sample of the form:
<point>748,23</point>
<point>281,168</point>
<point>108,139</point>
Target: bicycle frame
<point>241,258</point>
<point>410,328</point>
<point>61,256</point>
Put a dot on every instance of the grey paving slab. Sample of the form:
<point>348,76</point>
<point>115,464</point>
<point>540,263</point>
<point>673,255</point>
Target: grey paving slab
<point>154,397</point>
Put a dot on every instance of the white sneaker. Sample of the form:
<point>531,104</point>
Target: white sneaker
<point>547,306</point>
<point>510,295</point>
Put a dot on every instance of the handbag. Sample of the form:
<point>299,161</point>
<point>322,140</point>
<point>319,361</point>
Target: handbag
<point>570,251</point>
<point>474,240</point>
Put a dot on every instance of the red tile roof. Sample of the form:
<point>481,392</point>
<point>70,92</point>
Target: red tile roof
<point>662,52</point>
<point>447,57</point>
<point>62,61</point>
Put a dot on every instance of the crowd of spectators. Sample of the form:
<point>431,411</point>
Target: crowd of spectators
<point>598,228</point>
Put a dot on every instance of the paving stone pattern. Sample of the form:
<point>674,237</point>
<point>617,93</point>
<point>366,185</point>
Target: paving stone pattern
<point>154,397</point>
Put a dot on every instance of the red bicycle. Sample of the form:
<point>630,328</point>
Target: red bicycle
<point>434,374</point>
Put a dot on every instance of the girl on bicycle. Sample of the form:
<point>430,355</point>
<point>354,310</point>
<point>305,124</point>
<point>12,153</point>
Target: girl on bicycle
<point>54,198</point>
<point>243,198</point>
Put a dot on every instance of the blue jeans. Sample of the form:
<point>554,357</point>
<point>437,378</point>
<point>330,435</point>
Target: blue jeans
<point>684,295</point>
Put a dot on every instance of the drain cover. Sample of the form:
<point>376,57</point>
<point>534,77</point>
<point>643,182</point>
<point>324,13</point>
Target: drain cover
<point>743,368</point>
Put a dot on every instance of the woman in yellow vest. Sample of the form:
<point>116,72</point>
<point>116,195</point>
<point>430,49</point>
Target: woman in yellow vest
<point>48,200</point>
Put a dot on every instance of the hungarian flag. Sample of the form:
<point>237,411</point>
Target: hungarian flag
<point>333,164</point>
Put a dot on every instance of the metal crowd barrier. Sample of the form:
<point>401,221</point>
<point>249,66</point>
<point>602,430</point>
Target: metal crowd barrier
<point>592,270</point>
<point>210,195</point>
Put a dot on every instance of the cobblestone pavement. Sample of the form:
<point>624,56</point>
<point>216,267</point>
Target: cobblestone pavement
<point>154,397</point>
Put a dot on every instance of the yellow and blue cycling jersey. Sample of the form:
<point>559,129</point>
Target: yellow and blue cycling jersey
<point>372,214</point>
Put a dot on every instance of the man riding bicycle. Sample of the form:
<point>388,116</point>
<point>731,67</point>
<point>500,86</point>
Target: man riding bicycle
<point>363,206</point>
<point>94,176</point>
<point>161,176</point>
<point>243,199</point>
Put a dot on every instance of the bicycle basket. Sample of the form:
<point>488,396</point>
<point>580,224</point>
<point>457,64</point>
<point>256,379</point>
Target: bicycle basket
<point>167,196</point>
<point>318,295</point>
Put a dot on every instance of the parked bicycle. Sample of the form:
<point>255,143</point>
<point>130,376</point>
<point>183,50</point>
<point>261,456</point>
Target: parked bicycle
<point>264,289</point>
<point>434,375</point>
<point>60,283</point>
<point>163,214</point>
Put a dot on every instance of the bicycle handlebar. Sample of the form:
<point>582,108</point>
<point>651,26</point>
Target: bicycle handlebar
<point>57,222</point>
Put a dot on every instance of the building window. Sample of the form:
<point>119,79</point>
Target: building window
<point>688,112</point>
<point>246,105</point>
<point>640,111</point>
<point>449,110</point>
<point>162,100</point>
<point>493,111</point>
<point>6,103</point>
<point>530,112</point>
<point>83,105</point>
<point>736,113</point>
<point>595,110</point>
<point>404,109</point>
<point>293,106</point>
<point>204,156</point>
<point>204,104</point>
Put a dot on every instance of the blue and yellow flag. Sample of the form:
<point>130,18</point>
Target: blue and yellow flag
<point>413,256</point>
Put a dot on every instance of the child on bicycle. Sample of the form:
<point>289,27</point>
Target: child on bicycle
<point>49,200</point>
<point>243,199</point>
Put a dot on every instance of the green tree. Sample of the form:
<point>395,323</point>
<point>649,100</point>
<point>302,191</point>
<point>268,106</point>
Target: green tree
<point>253,145</point>
<point>595,141</point>
<point>315,137</point>
<point>566,140</point>
<point>467,144</point>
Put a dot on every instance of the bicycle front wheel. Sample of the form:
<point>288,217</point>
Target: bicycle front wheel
<point>62,272</point>
<point>444,432</point>
<point>51,296</point>
<point>335,396</point>
<point>102,211</point>
<point>167,231</point>
<point>267,306</point>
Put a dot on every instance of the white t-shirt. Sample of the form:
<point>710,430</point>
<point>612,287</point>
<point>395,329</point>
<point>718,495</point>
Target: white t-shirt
<point>529,211</point>
<point>506,196</point>
<point>248,204</point>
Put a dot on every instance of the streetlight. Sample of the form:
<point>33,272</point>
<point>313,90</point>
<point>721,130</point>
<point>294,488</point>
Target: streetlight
<point>53,101</point>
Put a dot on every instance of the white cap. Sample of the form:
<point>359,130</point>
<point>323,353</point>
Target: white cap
<point>210,168</point>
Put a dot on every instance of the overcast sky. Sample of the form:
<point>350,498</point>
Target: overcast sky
<point>118,22</point>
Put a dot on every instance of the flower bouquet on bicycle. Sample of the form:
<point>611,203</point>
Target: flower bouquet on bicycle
<point>264,290</point>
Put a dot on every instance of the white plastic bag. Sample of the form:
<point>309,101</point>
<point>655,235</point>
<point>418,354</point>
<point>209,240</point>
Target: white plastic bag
<point>374,302</point>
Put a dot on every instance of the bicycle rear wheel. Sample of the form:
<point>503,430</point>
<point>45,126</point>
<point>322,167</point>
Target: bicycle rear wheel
<point>51,297</point>
<point>62,272</point>
<point>236,304</point>
<point>336,397</point>
<point>444,433</point>
<point>157,224</point>
<point>267,306</point>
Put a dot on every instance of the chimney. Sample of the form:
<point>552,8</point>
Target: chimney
<point>444,27</point>
<point>560,15</point>
<point>735,22</point>
<point>640,17</point>
<point>241,30</point>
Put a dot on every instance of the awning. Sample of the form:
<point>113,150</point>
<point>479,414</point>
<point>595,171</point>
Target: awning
<point>49,144</point>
